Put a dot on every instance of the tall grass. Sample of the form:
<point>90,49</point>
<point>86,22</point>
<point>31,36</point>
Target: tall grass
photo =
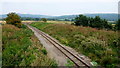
<point>21,48</point>
<point>98,45</point>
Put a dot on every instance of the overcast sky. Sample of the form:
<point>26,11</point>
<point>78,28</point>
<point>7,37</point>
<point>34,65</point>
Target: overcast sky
<point>59,7</point>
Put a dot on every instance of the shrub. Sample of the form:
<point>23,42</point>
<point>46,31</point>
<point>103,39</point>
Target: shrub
<point>44,51</point>
<point>14,19</point>
<point>44,19</point>
<point>117,26</point>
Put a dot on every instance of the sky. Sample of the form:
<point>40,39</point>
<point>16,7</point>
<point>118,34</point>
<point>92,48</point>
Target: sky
<point>58,7</point>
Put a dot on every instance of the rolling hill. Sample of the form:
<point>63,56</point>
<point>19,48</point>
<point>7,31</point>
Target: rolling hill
<point>108,16</point>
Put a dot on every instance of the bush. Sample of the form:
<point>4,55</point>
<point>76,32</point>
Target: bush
<point>44,51</point>
<point>14,19</point>
<point>117,26</point>
<point>81,20</point>
<point>44,19</point>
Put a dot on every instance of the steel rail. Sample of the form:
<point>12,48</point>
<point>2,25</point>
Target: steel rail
<point>52,40</point>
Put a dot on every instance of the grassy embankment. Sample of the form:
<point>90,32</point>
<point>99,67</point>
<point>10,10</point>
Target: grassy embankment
<point>98,45</point>
<point>21,48</point>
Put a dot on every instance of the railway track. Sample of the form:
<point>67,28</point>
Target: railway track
<point>74,58</point>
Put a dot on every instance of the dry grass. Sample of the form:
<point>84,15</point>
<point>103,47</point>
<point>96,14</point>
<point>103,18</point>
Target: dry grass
<point>54,22</point>
<point>3,22</point>
<point>60,22</point>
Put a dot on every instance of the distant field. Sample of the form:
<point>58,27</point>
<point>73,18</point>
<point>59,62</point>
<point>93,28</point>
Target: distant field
<point>113,23</point>
<point>21,48</point>
<point>55,22</point>
<point>3,22</point>
<point>99,45</point>
<point>61,22</point>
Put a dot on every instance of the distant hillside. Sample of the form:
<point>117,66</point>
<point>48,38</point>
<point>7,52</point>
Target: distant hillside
<point>110,16</point>
<point>29,15</point>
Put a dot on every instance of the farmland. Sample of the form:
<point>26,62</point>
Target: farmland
<point>98,45</point>
<point>22,48</point>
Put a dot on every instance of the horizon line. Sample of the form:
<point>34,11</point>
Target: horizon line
<point>66,14</point>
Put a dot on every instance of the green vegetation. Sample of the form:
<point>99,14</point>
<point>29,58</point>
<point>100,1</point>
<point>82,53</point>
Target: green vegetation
<point>29,19</point>
<point>99,45</point>
<point>14,19</point>
<point>21,48</point>
<point>118,25</point>
<point>0,45</point>
<point>69,63</point>
<point>96,22</point>
<point>44,19</point>
<point>44,51</point>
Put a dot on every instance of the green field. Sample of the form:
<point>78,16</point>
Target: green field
<point>21,48</point>
<point>99,45</point>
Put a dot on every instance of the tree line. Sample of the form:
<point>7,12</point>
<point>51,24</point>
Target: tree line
<point>81,20</point>
<point>95,22</point>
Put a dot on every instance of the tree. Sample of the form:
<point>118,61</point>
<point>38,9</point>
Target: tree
<point>44,19</point>
<point>91,21</point>
<point>81,20</point>
<point>96,22</point>
<point>14,19</point>
<point>36,19</point>
<point>118,25</point>
<point>106,24</point>
<point>66,20</point>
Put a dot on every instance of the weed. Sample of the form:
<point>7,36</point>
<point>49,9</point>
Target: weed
<point>44,51</point>
<point>96,44</point>
<point>69,63</point>
<point>21,48</point>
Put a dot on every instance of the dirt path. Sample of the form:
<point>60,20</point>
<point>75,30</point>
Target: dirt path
<point>54,53</point>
